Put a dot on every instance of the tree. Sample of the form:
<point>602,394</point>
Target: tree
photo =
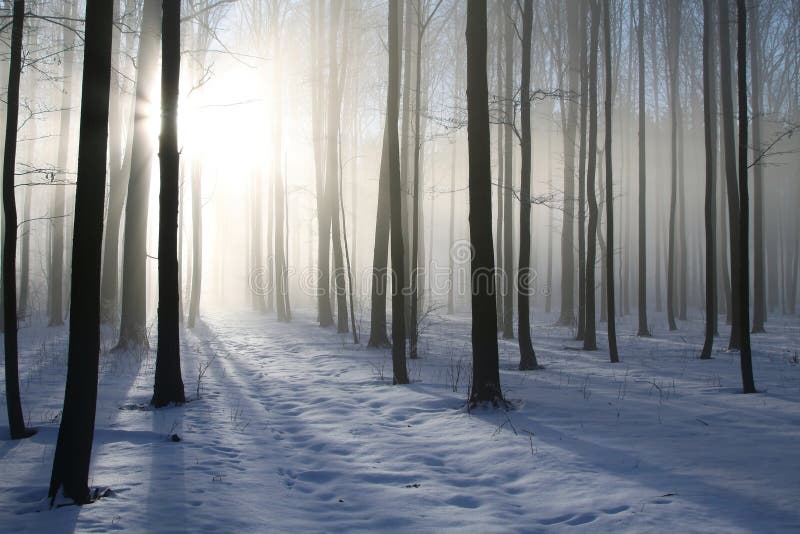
<point>710,130</point>
<point>120,169</point>
<point>168,386</point>
<point>423,20</point>
<point>507,313</point>
<point>584,101</point>
<point>643,329</point>
<point>590,332</point>
<point>673,36</point>
<point>74,443</point>
<point>16,422</point>
<point>759,276</point>
<point>132,330</point>
<point>609,101</point>
<point>399,371</point>
<point>731,182</point>
<point>527,356</point>
<point>744,202</point>
<point>485,359</point>
<point>567,316</point>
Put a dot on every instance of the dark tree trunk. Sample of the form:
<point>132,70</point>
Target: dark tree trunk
<point>582,177</point>
<point>380,257</point>
<point>16,422</point>
<point>567,315</point>
<point>399,371</point>
<point>527,357</point>
<point>726,95</point>
<point>75,434</point>
<point>485,359</point>
<point>744,207</point>
<point>759,276</point>
<point>643,329</point>
<point>609,99</point>
<point>590,332</point>
<point>168,386</point>
<point>673,36</point>
<point>710,129</point>
<point>132,332</point>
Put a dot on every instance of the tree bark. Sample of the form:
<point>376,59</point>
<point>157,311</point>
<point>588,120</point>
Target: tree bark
<point>399,371</point>
<point>609,99</point>
<point>710,130</point>
<point>748,384</point>
<point>759,275</point>
<point>527,356</point>
<point>643,329</point>
<point>168,387</point>
<point>590,332</point>
<point>16,422</point>
<point>74,442</point>
<point>485,360</point>
<point>584,101</point>
<point>673,47</point>
<point>134,266</point>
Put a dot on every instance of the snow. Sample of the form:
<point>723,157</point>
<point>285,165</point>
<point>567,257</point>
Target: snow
<point>298,429</point>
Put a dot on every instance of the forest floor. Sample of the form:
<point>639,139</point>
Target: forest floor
<point>290,427</point>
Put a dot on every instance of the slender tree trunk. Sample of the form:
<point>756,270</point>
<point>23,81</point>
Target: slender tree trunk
<point>590,333</point>
<point>168,387</point>
<point>744,203</point>
<point>527,356</point>
<point>485,385</point>
<point>380,256</point>
<point>673,35</point>
<point>609,100</point>
<point>25,256</point>
<point>508,215</point>
<point>280,267</point>
<point>197,246</point>
<point>731,180</point>
<point>643,329</point>
<point>567,315</point>
<point>759,275</point>
<point>710,128</point>
<point>584,99</point>
<point>399,371</point>
<point>16,422</point>
<point>134,279</point>
<point>74,443</point>
<point>120,164</point>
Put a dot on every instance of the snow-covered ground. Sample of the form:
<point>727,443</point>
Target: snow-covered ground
<point>296,429</point>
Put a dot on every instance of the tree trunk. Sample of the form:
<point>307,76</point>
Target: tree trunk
<point>506,277</point>
<point>527,356</point>
<point>582,178</point>
<point>673,35</point>
<point>134,279</point>
<point>168,387</point>
<point>643,329</point>
<point>16,422</point>
<point>590,333</point>
<point>281,275</point>
<point>744,203</point>
<point>399,371</point>
<point>759,275</point>
<point>567,315</point>
<point>379,279</point>
<point>609,99</point>
<point>710,130</point>
<point>74,443</point>
<point>485,360</point>
<point>197,247</point>
<point>25,255</point>
<point>726,94</point>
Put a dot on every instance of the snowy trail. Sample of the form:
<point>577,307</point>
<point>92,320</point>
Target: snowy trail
<point>297,429</point>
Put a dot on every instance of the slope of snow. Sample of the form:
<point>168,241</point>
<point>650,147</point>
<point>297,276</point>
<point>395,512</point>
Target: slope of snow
<point>297,429</point>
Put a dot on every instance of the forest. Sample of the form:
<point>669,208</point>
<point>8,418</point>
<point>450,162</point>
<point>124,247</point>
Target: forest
<point>383,265</point>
